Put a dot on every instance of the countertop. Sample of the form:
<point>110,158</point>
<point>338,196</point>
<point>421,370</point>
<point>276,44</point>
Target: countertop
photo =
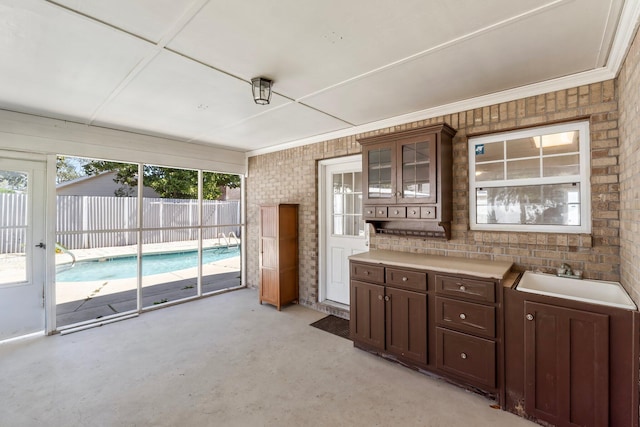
<point>473,267</point>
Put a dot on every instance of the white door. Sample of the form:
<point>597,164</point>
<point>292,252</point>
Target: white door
<point>342,230</point>
<point>22,250</point>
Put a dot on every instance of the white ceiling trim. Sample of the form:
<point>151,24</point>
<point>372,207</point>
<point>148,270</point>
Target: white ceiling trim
<point>628,25</point>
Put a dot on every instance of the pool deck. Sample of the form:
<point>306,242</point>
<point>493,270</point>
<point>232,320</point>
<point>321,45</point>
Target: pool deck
<point>82,301</point>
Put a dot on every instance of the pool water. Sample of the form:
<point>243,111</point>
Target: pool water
<point>126,267</point>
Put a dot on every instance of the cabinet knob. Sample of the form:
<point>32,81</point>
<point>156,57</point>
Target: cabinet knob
<point>529,316</point>
<point>413,212</point>
<point>387,298</point>
<point>463,355</point>
<point>463,316</point>
<point>462,288</point>
<point>380,212</point>
<point>396,212</point>
<point>366,272</point>
<point>404,279</point>
<point>399,193</point>
<point>380,297</point>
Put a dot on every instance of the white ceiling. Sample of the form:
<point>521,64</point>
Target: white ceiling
<point>181,68</point>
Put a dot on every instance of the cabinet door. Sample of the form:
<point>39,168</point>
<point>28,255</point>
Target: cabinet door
<point>566,365</point>
<point>406,324</point>
<point>417,171</point>
<point>379,173</point>
<point>367,314</point>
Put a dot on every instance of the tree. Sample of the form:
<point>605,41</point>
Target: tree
<point>13,182</point>
<point>67,169</point>
<point>167,182</point>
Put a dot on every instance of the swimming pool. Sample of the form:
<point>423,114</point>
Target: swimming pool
<point>126,267</point>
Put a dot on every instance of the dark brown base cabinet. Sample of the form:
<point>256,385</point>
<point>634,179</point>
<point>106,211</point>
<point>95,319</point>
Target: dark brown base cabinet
<point>385,318</point>
<point>441,323</point>
<point>570,363</point>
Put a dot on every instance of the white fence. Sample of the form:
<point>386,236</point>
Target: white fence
<point>81,220</point>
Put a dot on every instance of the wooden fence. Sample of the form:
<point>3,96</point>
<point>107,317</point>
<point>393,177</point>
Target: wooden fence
<point>81,220</point>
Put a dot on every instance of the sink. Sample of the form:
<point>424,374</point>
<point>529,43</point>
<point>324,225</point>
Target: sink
<point>591,291</point>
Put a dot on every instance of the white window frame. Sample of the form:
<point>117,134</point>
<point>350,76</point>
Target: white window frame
<point>584,179</point>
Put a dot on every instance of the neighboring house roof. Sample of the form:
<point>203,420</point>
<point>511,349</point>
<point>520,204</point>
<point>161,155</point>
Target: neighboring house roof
<point>102,184</point>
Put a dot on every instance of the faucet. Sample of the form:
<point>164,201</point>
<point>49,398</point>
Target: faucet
<point>565,269</point>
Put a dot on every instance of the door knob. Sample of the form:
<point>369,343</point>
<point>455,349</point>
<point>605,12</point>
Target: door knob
<point>41,245</point>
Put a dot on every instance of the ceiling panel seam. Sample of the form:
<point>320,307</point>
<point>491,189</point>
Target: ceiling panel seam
<point>169,35</point>
<point>439,47</point>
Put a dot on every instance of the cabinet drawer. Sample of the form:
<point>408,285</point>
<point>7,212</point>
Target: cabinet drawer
<point>428,212</point>
<point>381,212</point>
<point>413,212</point>
<point>467,357</point>
<point>466,316</point>
<point>369,212</point>
<point>397,212</point>
<point>367,273</point>
<point>413,280</point>
<point>477,290</point>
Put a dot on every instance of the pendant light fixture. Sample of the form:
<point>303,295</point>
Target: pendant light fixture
<point>261,90</point>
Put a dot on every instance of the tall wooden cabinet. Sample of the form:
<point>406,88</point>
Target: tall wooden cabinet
<point>279,254</point>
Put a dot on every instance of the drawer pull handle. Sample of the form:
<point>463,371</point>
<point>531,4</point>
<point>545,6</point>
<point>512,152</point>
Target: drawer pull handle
<point>404,279</point>
<point>529,316</point>
<point>462,288</point>
<point>463,316</point>
<point>463,355</point>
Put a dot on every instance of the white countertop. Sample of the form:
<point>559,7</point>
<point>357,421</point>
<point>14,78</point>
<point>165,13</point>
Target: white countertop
<point>445,264</point>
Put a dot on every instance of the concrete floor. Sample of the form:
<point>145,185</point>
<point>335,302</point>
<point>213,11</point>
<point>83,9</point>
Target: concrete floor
<point>223,361</point>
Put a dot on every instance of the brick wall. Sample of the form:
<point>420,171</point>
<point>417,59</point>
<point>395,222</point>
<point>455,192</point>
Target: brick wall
<point>291,176</point>
<point>629,82</point>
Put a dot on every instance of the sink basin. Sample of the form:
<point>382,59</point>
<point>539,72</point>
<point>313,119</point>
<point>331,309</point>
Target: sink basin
<point>591,291</point>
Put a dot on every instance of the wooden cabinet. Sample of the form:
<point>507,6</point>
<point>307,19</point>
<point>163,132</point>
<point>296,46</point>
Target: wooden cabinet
<point>571,363</point>
<point>278,254</point>
<point>407,181</point>
<point>387,313</point>
<point>566,365</point>
<point>468,344</point>
<point>446,324</point>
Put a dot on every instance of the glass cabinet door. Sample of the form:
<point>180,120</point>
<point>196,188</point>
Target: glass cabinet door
<point>417,171</point>
<point>380,173</point>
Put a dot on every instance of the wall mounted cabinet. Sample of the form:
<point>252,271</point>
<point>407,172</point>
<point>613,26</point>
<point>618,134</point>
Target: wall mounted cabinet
<point>407,181</point>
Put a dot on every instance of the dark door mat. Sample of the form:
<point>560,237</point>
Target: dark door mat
<point>334,325</point>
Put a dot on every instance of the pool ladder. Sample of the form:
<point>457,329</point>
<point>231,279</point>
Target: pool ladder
<point>68,252</point>
<point>228,240</point>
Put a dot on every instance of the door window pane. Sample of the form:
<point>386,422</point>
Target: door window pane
<point>13,226</point>
<point>346,205</point>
